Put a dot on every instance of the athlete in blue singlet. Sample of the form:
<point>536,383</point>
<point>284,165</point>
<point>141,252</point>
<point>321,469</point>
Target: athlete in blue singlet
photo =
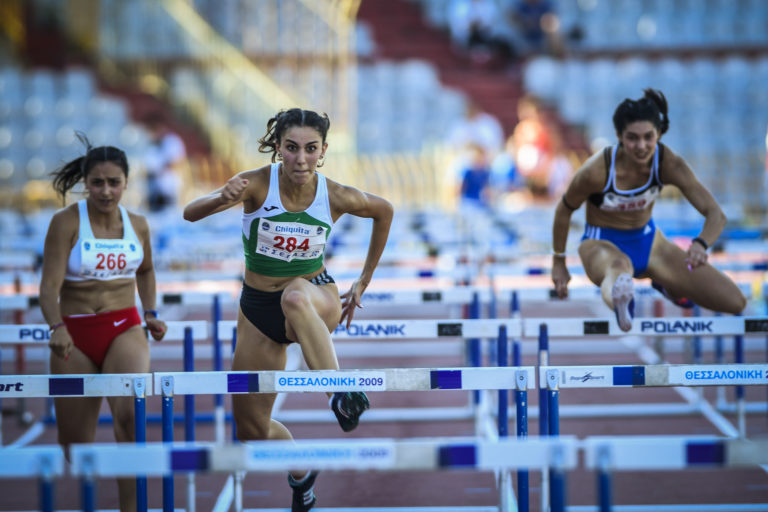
<point>288,212</point>
<point>620,241</point>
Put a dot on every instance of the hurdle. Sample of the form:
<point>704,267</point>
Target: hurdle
<point>403,330</point>
<point>165,459</point>
<point>597,328</point>
<point>666,375</point>
<point>605,454</point>
<point>136,385</point>
<point>401,379</point>
<point>43,462</point>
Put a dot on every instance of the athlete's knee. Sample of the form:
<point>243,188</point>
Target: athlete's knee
<point>736,304</point>
<point>294,301</point>
<point>124,425</point>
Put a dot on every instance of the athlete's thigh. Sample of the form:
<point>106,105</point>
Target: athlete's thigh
<point>324,298</point>
<point>128,353</point>
<point>76,418</point>
<point>705,285</point>
<point>597,256</point>
<point>254,352</point>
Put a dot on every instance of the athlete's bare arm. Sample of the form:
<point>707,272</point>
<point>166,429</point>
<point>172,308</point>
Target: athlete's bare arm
<point>589,179</point>
<point>146,283</point>
<point>59,240</point>
<point>248,187</point>
<point>677,172</point>
<point>344,199</point>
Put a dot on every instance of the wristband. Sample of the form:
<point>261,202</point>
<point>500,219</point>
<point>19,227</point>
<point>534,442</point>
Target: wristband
<point>701,242</point>
<point>53,327</point>
<point>153,311</point>
<point>558,254</point>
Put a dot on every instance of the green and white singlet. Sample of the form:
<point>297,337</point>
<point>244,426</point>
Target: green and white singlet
<point>280,243</point>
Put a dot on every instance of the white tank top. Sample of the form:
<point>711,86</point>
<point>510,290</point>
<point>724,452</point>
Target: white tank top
<point>103,259</point>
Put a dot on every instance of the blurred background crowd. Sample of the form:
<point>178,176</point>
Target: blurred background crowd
<point>492,103</point>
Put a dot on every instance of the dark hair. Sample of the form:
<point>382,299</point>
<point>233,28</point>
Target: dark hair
<point>651,107</point>
<point>278,125</point>
<point>66,176</point>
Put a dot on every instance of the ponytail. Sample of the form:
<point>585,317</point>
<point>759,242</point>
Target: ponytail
<point>67,176</point>
<point>651,107</point>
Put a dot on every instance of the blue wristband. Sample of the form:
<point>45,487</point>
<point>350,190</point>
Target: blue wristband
<point>153,311</point>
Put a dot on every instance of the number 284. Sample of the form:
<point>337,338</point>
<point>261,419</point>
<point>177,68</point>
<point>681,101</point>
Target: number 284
<point>289,244</point>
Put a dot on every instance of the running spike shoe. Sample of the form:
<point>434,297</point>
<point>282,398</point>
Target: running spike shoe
<point>348,406</point>
<point>623,296</point>
<point>303,492</point>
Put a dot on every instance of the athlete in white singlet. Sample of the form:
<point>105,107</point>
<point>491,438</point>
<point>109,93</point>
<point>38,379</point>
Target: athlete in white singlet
<point>288,296</point>
<point>620,241</point>
<point>97,255</point>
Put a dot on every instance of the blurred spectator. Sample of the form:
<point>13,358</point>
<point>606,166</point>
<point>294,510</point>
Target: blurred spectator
<point>165,156</point>
<point>476,26</point>
<point>477,128</point>
<point>475,190</point>
<point>505,176</point>
<point>560,173</point>
<point>537,25</point>
<point>533,142</point>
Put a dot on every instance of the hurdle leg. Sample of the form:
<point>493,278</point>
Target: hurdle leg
<point>521,404</point>
<point>46,485</point>
<point>168,490</point>
<point>189,413</point>
<point>543,410</point>
<point>140,422</point>
<point>740,405</point>
<point>218,400</point>
<point>87,487</point>
<point>604,479</point>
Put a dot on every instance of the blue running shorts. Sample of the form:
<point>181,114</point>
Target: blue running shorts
<point>635,243</point>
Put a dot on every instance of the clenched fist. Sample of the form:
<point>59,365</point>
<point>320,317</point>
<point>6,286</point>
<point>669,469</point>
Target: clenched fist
<point>234,189</point>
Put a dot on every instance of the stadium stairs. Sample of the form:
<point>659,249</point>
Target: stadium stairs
<point>401,32</point>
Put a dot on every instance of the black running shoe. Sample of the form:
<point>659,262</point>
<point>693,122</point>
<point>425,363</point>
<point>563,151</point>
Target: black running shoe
<point>303,492</point>
<point>348,407</point>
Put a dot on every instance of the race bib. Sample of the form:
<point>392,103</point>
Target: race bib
<point>288,241</point>
<point>109,259</point>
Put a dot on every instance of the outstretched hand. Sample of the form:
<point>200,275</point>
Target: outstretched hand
<point>350,301</point>
<point>233,190</point>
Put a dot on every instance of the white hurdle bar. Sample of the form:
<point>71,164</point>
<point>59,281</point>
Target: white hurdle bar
<point>411,329</point>
<point>40,333</point>
<point>660,375</point>
<point>671,326</point>
<point>162,459</point>
<point>405,330</point>
<point>397,379</point>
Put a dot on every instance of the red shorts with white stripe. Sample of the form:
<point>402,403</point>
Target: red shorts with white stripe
<point>93,334</point>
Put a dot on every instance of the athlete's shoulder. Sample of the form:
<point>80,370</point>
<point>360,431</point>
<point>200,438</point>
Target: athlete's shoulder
<point>66,215</point>
<point>593,172</point>
<point>138,220</point>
